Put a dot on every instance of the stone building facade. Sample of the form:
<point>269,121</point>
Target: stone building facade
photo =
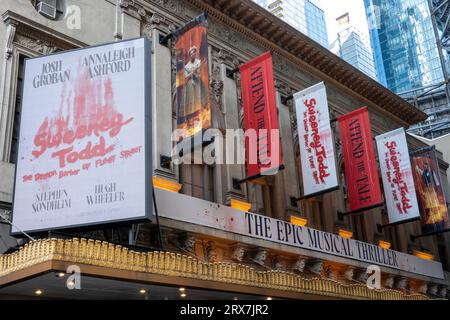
<point>203,256</point>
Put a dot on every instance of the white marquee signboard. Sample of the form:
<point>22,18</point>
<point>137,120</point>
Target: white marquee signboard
<point>84,139</point>
<point>316,140</point>
<point>187,209</point>
<point>398,180</point>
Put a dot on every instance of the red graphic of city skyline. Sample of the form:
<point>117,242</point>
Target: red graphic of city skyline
<point>87,114</point>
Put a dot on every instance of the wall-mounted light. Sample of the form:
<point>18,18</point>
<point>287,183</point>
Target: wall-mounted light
<point>241,205</point>
<point>384,244</point>
<point>168,185</point>
<point>345,234</point>
<point>38,292</point>
<point>423,255</point>
<point>301,222</point>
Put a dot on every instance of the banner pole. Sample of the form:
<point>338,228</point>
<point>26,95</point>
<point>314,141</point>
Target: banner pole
<point>317,194</point>
<point>415,237</point>
<point>164,40</point>
<point>232,72</point>
<point>380,227</point>
<point>259,176</point>
<point>341,215</point>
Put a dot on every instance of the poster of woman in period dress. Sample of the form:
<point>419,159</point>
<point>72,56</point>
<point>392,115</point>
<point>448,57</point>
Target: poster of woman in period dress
<point>430,191</point>
<point>193,103</point>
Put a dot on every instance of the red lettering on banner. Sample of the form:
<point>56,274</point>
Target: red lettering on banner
<point>395,177</point>
<point>129,153</point>
<point>105,161</point>
<point>67,156</point>
<point>260,115</point>
<point>68,173</point>
<point>312,117</point>
<point>359,158</point>
<point>92,117</point>
<point>45,176</point>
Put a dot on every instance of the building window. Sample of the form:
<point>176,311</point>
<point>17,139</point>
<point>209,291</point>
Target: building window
<point>261,198</point>
<point>17,111</point>
<point>442,249</point>
<point>198,181</point>
<point>51,9</point>
<point>358,227</point>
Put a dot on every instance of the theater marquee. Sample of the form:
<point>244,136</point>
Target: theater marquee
<point>84,132</point>
<point>187,209</point>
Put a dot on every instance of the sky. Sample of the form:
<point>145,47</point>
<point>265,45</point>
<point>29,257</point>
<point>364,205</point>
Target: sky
<point>336,8</point>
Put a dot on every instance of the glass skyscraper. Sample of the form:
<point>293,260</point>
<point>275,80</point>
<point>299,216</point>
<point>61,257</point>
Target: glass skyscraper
<point>303,15</point>
<point>405,51</point>
<point>352,46</point>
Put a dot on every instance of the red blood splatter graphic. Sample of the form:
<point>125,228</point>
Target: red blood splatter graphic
<point>91,114</point>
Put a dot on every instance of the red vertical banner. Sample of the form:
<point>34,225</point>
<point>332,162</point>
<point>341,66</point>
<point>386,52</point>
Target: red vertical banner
<point>361,170</point>
<point>263,149</point>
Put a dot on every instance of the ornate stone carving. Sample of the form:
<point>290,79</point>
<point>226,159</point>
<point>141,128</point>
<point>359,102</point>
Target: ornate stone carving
<point>261,256</point>
<point>188,243</point>
<point>285,90</point>
<point>422,288</point>
<point>294,127</point>
<point>330,273</point>
<point>211,252</point>
<point>433,289</point>
<point>216,90</point>
<point>389,282</point>
<point>277,264</point>
<point>349,273</point>
<point>442,292</point>
<point>315,266</point>
<point>133,8</point>
<point>238,253</point>
<point>401,283</point>
<point>171,5</point>
<point>361,275</point>
<point>225,34</point>
<point>5,215</point>
<point>156,21</point>
<point>39,46</point>
<point>300,264</point>
<point>10,34</point>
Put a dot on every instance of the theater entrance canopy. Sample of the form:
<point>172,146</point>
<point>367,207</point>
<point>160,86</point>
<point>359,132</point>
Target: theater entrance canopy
<point>217,252</point>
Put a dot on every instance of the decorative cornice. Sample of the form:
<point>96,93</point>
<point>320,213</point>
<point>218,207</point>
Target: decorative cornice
<point>35,31</point>
<point>107,255</point>
<point>259,25</point>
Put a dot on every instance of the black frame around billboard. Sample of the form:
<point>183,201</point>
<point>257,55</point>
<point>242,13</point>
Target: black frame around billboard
<point>148,151</point>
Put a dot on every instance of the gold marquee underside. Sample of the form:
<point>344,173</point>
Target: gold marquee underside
<point>107,255</point>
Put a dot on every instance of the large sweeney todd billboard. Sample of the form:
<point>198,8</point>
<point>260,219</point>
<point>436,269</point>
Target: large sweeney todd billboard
<point>84,131</point>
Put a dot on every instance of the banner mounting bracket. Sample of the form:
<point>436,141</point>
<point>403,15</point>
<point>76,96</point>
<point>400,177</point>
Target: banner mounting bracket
<point>232,72</point>
<point>415,237</point>
<point>341,215</point>
<point>380,227</point>
<point>285,100</point>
